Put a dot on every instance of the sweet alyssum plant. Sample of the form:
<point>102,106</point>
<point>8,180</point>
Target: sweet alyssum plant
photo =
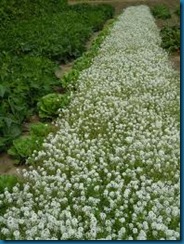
<point>111,172</point>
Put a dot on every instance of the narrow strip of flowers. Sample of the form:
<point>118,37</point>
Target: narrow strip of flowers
<point>112,170</point>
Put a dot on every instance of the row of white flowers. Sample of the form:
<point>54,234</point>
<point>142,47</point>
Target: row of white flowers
<point>112,169</point>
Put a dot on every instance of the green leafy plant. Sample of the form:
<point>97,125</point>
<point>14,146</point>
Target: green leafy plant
<point>24,146</point>
<point>9,130</point>
<point>49,105</point>
<point>7,181</point>
<point>15,10</point>
<point>161,11</point>
<point>177,11</point>
<point>41,129</point>
<point>170,38</point>
<point>23,81</point>
<point>35,34</point>
<point>57,36</point>
<point>70,78</point>
<point>3,90</point>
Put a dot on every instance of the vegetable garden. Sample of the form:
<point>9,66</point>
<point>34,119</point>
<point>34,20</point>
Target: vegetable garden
<point>108,167</point>
<point>31,48</point>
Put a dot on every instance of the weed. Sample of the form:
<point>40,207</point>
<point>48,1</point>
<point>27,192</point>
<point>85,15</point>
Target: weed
<point>177,11</point>
<point>161,11</point>
<point>171,38</point>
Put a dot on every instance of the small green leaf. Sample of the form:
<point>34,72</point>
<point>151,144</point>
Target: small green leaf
<point>2,90</point>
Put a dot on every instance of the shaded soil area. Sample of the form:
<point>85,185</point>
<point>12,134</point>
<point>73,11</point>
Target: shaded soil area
<point>7,165</point>
<point>175,59</point>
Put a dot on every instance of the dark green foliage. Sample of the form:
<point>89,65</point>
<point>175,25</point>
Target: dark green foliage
<point>108,10</point>
<point>96,15</point>
<point>23,147</point>
<point>23,81</point>
<point>161,11</point>
<point>84,61</point>
<point>61,37</point>
<point>28,77</point>
<point>33,35</point>
<point>177,11</point>
<point>171,38</point>
<point>15,10</point>
<point>9,129</point>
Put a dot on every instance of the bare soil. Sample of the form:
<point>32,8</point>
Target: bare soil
<point>63,69</point>
<point>175,59</point>
<point>7,165</point>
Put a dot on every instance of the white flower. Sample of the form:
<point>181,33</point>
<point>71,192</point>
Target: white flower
<point>122,220</point>
<point>5,231</point>
<point>135,230</point>
<point>142,235</point>
<point>129,139</point>
<point>96,188</point>
<point>126,193</point>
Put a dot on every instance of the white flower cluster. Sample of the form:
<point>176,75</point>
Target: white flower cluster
<point>111,172</point>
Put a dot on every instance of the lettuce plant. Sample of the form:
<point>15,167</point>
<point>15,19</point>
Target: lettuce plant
<point>49,105</point>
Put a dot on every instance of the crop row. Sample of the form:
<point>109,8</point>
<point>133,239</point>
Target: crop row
<point>31,48</point>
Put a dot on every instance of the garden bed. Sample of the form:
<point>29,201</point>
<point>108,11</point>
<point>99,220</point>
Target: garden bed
<point>111,171</point>
<point>32,47</point>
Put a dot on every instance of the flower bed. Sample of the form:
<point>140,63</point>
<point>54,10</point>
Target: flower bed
<point>112,169</point>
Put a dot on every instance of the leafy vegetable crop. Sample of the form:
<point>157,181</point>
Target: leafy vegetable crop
<point>23,81</point>
<point>62,36</point>
<point>49,105</point>
<point>15,10</point>
<point>35,37</point>
<point>24,146</point>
